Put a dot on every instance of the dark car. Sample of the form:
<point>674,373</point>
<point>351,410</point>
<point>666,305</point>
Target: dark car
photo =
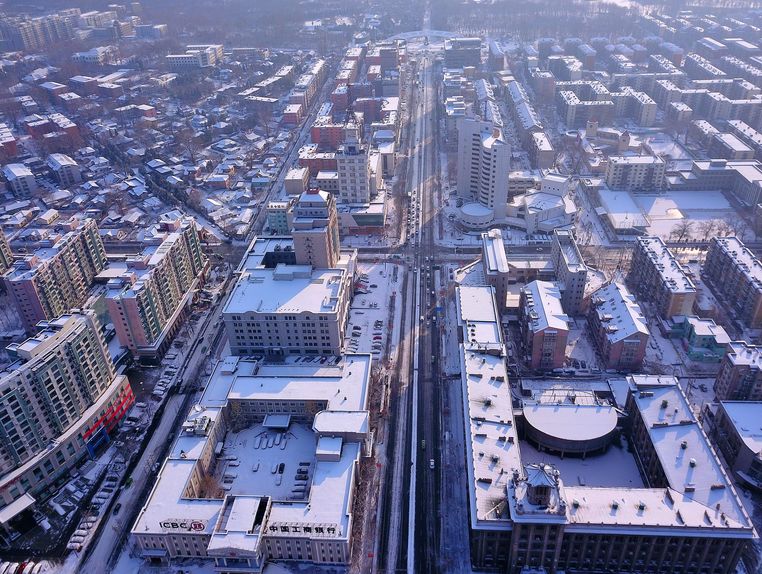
<point>117,508</point>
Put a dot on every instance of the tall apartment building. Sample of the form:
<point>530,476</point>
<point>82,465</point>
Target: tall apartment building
<point>152,292</point>
<point>59,401</point>
<point>618,327</point>
<point>66,170</point>
<point>51,282</point>
<point>544,325</point>
<point>657,276</point>
<point>735,275</point>
<point>20,179</point>
<point>353,170</point>
<point>6,255</point>
<point>484,161</point>
<point>643,173</point>
<point>315,229</point>
<point>740,374</point>
<point>571,271</point>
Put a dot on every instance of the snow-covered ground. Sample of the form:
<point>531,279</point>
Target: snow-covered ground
<point>370,322</point>
<point>580,347</point>
<point>664,145</point>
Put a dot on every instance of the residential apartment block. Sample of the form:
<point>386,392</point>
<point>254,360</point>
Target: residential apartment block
<point>149,294</point>
<point>734,428</point>
<point>571,271</point>
<point>52,281</point>
<point>544,325</point>
<point>735,275</point>
<point>657,276</point>
<point>20,179</point>
<point>618,327</point>
<point>353,170</point>
<point>59,401</point>
<point>740,374</point>
<point>642,173</point>
<point>66,170</point>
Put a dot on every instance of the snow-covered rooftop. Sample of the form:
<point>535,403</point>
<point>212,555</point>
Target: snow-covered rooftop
<point>618,309</point>
<point>543,302</point>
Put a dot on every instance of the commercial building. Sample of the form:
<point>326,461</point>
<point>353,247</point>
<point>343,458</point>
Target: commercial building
<point>644,173</point>
<point>618,327</point>
<point>196,56</point>
<point>571,271</point>
<point>735,275</point>
<point>484,159</point>
<point>60,400</point>
<point>149,295</point>
<point>672,510</point>
<point>20,179</point>
<point>740,374</point>
<point>279,308</point>
<point>544,209</point>
<point>52,281</point>
<point>264,468</point>
<point>544,325</point>
<point>734,428</point>
<point>315,229</point>
<point>657,276</point>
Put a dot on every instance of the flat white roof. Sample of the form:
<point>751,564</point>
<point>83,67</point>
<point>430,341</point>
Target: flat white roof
<point>288,289</point>
<point>571,422</point>
<point>746,417</point>
<point>493,251</point>
<point>258,461</point>
<point>492,447</point>
<point>689,463</point>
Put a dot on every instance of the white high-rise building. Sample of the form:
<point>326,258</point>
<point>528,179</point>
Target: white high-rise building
<point>353,170</point>
<point>484,161</point>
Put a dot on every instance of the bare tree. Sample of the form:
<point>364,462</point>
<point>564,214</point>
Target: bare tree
<point>707,228</point>
<point>189,144</point>
<point>682,230</point>
<point>724,228</point>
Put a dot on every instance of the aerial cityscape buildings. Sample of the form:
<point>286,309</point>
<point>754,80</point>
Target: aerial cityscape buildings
<point>412,287</point>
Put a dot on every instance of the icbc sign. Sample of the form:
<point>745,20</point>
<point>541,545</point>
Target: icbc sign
<point>182,525</point>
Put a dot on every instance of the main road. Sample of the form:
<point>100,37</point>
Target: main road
<point>410,517</point>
